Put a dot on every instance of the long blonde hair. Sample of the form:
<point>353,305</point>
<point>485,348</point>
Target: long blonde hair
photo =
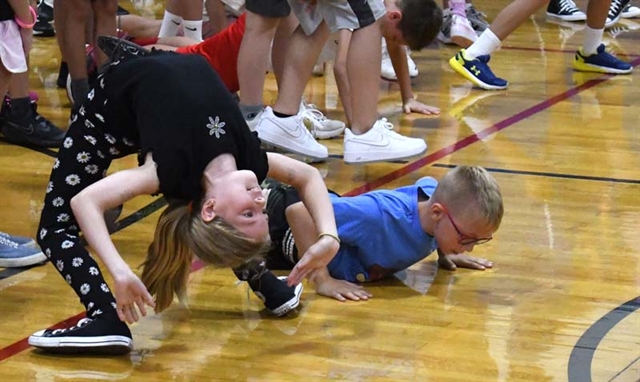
<point>180,234</point>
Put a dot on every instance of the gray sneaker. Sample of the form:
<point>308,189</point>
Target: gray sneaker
<point>15,255</point>
<point>476,18</point>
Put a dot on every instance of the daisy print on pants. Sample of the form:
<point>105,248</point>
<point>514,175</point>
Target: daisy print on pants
<point>215,127</point>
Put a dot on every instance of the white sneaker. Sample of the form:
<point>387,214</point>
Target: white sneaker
<point>253,122</point>
<point>323,127</point>
<point>380,143</point>
<point>462,33</point>
<point>630,12</point>
<point>386,67</point>
<point>290,134</point>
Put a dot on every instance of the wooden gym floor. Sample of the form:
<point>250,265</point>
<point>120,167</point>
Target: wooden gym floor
<point>559,305</point>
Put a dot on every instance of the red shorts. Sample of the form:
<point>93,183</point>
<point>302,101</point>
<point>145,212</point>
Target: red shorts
<point>221,51</point>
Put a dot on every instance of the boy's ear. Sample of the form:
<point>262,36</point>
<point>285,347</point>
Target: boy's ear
<point>208,212</point>
<point>436,211</point>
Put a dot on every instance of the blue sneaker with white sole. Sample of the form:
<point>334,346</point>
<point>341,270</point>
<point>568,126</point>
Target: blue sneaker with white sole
<point>477,71</point>
<point>17,251</point>
<point>600,62</point>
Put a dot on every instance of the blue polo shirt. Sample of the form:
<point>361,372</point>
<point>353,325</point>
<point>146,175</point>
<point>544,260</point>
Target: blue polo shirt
<point>380,232</point>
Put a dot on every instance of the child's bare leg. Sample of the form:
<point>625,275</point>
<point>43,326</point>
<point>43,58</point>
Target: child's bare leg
<point>514,15</point>
<point>340,72</point>
<point>5,79</point>
<point>139,27</point>
<point>280,44</point>
<point>252,58</point>
<point>104,16</point>
<point>363,70</point>
<point>177,41</point>
<point>597,11</point>
<point>302,54</point>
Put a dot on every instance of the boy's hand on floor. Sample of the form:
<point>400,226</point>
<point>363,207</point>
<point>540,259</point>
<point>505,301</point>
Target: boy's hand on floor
<point>414,106</point>
<point>342,290</point>
<point>453,261</point>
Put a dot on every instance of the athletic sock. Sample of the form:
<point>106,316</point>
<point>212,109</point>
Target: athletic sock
<point>170,25</point>
<point>487,43</point>
<point>249,112</point>
<point>193,29</point>
<point>592,40</point>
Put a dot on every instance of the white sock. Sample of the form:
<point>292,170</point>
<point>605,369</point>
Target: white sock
<point>487,43</point>
<point>170,25</point>
<point>592,40</point>
<point>193,29</point>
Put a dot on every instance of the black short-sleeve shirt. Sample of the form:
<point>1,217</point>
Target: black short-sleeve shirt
<point>180,110</point>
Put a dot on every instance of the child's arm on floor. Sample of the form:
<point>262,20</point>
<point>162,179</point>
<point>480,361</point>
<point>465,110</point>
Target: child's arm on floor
<point>313,193</point>
<point>453,261</point>
<point>304,233</point>
<point>409,102</point>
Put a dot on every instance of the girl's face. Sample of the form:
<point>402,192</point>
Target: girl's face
<point>239,201</point>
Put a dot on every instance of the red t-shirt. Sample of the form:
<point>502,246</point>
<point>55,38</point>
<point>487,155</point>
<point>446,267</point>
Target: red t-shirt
<point>221,51</point>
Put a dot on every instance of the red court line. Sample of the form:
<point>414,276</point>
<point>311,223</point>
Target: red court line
<point>422,162</point>
<point>21,345</point>
<point>551,50</point>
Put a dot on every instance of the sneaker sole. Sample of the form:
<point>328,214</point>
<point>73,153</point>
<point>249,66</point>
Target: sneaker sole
<point>368,157</point>
<point>102,344</point>
<point>568,18</point>
<point>266,136</point>
<point>465,73</point>
<point>23,261</point>
<point>289,305</point>
<point>327,134</point>
<point>584,67</point>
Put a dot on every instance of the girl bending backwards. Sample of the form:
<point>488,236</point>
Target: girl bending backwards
<point>196,149</point>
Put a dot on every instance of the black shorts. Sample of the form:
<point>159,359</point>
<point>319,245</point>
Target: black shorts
<point>269,8</point>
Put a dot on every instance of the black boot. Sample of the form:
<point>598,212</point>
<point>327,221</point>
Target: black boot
<point>23,125</point>
<point>274,292</point>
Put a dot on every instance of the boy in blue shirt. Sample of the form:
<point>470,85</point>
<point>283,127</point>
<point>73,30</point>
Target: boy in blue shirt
<point>384,231</point>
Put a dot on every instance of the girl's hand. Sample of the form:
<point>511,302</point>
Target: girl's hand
<point>27,40</point>
<point>129,292</point>
<point>414,106</point>
<point>317,256</point>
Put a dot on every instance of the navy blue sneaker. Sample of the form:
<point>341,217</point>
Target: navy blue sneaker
<point>477,71</point>
<point>600,62</point>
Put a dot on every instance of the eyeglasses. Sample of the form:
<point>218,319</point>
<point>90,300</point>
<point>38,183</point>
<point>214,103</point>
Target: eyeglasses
<point>463,238</point>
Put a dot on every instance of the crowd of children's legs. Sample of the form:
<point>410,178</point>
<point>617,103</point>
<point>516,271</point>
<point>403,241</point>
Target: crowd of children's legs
<point>229,45</point>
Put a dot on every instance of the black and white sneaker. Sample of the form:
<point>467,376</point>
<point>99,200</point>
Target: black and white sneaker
<point>276,295</point>
<point>119,48</point>
<point>615,12</point>
<point>630,12</point>
<point>565,10</point>
<point>105,334</point>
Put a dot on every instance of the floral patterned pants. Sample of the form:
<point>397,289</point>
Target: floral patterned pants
<point>82,160</point>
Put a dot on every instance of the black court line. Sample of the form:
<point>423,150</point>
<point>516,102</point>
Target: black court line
<point>623,370</point>
<point>550,174</point>
<point>579,368</point>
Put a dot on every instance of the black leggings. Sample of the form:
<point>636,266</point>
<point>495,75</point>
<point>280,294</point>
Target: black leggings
<point>83,159</point>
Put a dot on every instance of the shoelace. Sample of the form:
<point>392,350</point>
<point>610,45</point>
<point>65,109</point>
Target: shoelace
<point>311,109</point>
<point>8,242</point>
<point>568,6</point>
<point>80,324</point>
<point>474,12</point>
<point>614,9</point>
<point>386,124</point>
